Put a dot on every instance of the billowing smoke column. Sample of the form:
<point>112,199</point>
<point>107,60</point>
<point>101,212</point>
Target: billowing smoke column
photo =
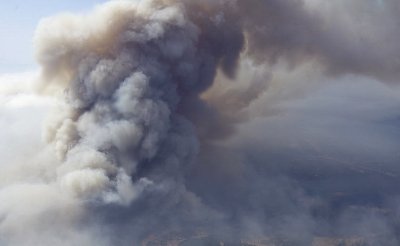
<point>127,69</point>
<point>141,143</point>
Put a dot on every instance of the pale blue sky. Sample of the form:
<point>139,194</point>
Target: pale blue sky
<point>18,20</point>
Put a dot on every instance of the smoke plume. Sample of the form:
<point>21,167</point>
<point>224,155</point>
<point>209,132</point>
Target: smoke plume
<point>234,118</point>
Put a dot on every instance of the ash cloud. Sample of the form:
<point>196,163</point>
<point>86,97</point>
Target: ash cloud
<point>274,120</point>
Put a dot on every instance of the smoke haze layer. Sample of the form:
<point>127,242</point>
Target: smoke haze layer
<point>240,119</point>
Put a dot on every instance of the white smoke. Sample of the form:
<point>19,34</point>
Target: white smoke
<point>124,71</point>
<point>122,68</point>
<point>133,120</point>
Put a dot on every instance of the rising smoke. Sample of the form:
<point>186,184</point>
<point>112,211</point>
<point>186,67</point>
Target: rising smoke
<point>180,116</point>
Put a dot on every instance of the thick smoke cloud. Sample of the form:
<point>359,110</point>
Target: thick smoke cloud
<point>241,120</point>
<point>126,78</point>
<point>357,37</point>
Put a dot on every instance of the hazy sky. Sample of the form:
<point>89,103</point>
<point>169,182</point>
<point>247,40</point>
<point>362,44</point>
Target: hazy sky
<point>237,118</point>
<point>18,20</point>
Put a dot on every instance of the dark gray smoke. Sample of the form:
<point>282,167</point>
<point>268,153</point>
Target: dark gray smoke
<point>242,120</point>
